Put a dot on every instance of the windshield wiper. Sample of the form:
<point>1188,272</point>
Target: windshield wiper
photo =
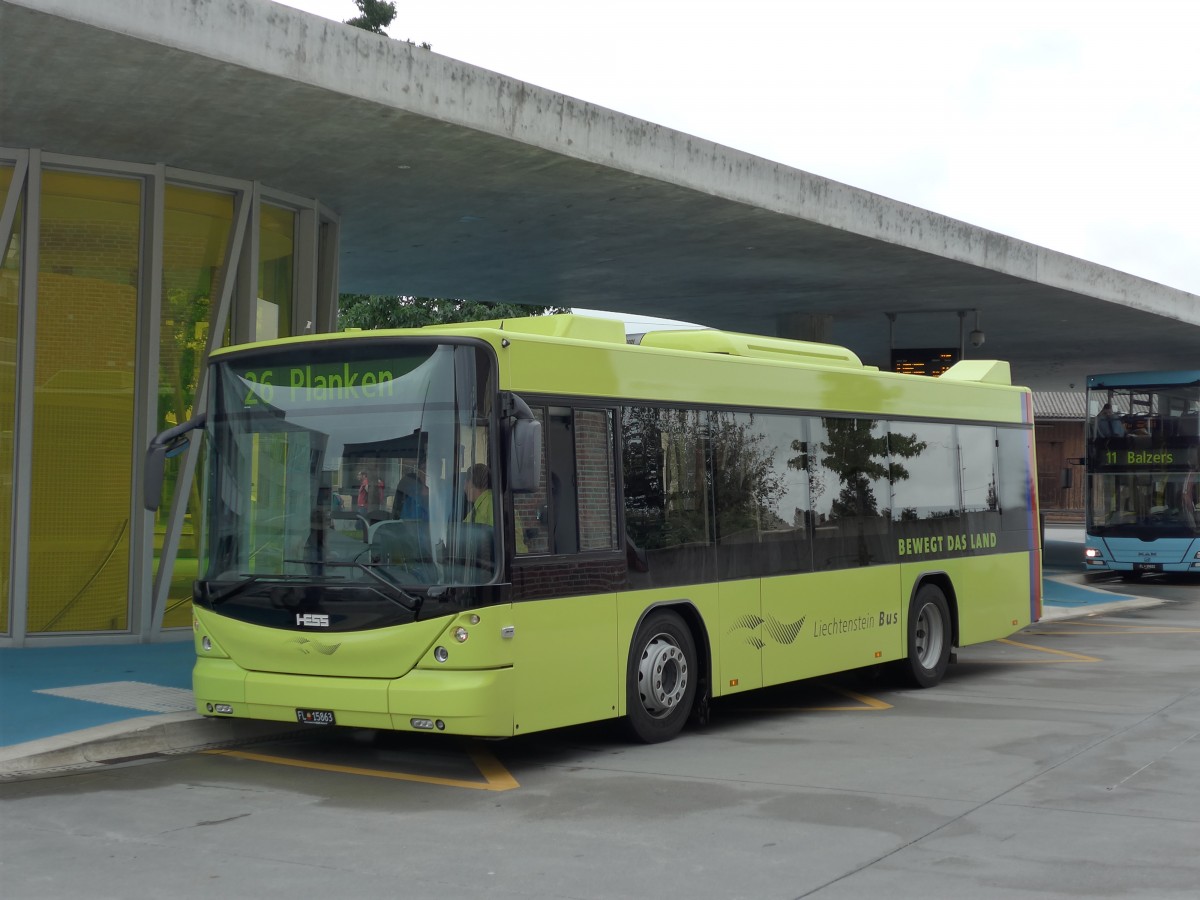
<point>248,580</point>
<point>370,568</point>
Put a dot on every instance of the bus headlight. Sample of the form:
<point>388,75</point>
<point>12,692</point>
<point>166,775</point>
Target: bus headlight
<point>441,654</point>
<point>1091,553</point>
<point>460,634</point>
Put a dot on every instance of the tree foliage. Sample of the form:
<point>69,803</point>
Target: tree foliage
<point>861,457</point>
<point>746,483</point>
<point>376,15</point>
<point>370,311</point>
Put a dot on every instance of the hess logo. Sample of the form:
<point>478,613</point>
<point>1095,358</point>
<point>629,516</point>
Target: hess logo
<point>312,620</point>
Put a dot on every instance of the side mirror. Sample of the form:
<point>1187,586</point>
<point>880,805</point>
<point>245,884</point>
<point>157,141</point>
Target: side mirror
<point>163,446</point>
<point>1068,477</point>
<point>525,456</point>
<point>524,446</point>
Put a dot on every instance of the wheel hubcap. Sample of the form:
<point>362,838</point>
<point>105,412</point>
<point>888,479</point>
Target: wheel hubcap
<point>662,675</point>
<point>929,636</point>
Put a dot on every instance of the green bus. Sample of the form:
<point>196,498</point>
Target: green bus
<point>504,527</point>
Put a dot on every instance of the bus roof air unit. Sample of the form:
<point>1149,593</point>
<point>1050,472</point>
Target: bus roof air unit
<point>753,346</point>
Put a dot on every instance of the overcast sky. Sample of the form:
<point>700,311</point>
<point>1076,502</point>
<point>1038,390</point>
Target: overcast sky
<point>1070,124</point>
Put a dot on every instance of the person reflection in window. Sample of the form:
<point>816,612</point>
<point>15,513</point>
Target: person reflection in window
<point>412,497</point>
<point>364,493</point>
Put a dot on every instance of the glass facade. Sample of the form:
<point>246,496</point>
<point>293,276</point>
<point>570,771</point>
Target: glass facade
<point>276,272</point>
<point>112,279</point>
<point>80,516</point>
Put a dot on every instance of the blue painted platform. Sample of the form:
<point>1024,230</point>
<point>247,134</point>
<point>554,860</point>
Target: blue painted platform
<point>1064,593</point>
<point>28,713</point>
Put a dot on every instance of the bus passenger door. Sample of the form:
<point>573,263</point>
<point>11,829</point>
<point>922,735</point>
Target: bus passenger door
<point>740,658</point>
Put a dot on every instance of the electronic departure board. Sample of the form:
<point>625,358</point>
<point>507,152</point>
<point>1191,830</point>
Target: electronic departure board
<point>924,360</point>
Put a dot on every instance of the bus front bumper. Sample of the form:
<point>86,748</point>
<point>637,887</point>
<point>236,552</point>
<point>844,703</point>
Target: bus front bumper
<point>478,703</point>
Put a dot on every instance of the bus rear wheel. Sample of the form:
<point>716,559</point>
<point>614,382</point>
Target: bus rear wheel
<point>929,638</point>
<point>661,678</point>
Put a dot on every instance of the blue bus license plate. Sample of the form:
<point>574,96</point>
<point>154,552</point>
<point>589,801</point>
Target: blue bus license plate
<point>315,717</point>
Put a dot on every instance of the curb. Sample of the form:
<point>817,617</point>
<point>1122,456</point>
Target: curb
<point>132,739</point>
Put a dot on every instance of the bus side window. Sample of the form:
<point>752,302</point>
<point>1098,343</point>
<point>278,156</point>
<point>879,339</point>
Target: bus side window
<point>668,513</point>
<point>574,510</point>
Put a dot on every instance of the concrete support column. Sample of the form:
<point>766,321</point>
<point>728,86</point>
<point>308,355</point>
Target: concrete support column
<point>816,327</point>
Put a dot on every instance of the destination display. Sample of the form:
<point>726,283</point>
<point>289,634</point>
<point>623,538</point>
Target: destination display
<point>1134,458</point>
<point>339,382</point>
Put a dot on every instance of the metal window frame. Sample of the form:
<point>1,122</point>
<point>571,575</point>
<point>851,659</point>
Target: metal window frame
<point>18,571</point>
<point>235,249</point>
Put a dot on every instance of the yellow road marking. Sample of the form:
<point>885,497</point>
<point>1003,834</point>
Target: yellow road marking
<point>1072,657</point>
<point>497,778</point>
<point>869,703</point>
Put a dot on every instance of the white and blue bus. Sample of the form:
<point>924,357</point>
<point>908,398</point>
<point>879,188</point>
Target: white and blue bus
<point>1143,473</point>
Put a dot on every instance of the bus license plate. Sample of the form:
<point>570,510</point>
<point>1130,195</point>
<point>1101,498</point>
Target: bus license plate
<point>315,717</point>
<point>1147,567</point>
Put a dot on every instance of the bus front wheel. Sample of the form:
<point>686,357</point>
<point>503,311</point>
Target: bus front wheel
<point>929,638</point>
<point>661,678</point>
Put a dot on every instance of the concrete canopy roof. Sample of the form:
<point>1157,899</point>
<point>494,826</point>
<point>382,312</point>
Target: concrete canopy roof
<point>452,180</point>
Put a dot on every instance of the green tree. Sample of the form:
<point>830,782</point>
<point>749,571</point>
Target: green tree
<point>376,15</point>
<point>370,311</point>
<point>860,458</point>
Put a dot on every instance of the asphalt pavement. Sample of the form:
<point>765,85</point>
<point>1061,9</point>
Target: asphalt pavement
<point>63,707</point>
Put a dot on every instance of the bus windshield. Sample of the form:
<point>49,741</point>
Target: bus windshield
<point>339,481</point>
<point>1143,456</point>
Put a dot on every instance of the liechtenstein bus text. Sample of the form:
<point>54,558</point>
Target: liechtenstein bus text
<point>499,528</point>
